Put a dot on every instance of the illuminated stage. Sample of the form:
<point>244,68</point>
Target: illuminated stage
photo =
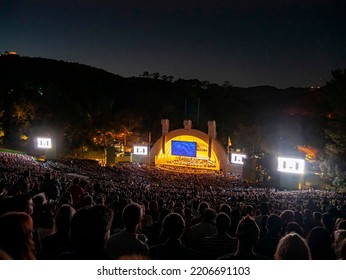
<point>189,150</point>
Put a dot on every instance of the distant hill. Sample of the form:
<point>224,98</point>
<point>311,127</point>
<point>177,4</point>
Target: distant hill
<point>71,97</point>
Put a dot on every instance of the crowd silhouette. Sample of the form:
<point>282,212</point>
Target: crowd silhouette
<point>76,209</point>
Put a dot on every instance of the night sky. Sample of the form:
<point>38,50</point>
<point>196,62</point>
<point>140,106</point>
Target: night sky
<point>281,43</point>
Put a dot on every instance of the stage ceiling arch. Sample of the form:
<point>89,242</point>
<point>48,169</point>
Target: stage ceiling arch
<point>209,152</point>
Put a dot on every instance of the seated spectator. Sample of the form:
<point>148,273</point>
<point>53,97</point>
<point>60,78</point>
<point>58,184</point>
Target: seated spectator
<point>328,223</point>
<point>180,211</point>
<point>320,244</point>
<point>235,218</point>
<point>311,205</point>
<point>77,193</point>
<point>51,187</point>
<point>220,243</point>
<point>307,221</point>
<point>340,224</point>
<point>339,240</point>
<point>292,247</point>
<point>247,236</point>
<point>60,241</point>
<point>262,217</point>
<point>118,214</point>
<point>16,236</point>
<point>145,228</point>
<point>100,199</point>
<point>153,210</point>
<point>88,200</point>
<point>203,206</point>
<point>187,217</point>
<point>267,245</point>
<point>225,208</point>
<point>203,229</point>
<point>316,219</point>
<point>194,208</point>
<point>173,228</point>
<point>156,228</point>
<point>248,210</point>
<point>286,216</point>
<point>299,219</point>
<point>43,215</point>
<point>294,227</point>
<point>90,229</point>
<point>66,198</point>
<point>127,242</point>
<point>23,203</point>
<point>342,251</point>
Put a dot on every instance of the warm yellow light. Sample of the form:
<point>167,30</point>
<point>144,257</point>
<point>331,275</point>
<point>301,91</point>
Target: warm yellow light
<point>201,161</point>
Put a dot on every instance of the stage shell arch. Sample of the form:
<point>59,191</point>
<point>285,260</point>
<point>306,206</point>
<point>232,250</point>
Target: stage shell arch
<point>210,154</point>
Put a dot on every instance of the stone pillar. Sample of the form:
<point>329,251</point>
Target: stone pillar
<point>187,124</point>
<point>165,129</point>
<point>212,135</point>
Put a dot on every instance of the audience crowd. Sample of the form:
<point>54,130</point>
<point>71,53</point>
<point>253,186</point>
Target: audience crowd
<point>76,209</point>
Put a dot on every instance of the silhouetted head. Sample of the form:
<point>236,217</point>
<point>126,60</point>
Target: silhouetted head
<point>247,231</point>
<point>173,226</point>
<point>90,227</point>
<point>132,216</point>
<point>292,247</point>
<point>223,222</point>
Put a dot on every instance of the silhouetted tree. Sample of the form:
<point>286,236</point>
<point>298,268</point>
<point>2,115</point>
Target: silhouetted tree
<point>155,75</point>
<point>145,74</point>
<point>335,131</point>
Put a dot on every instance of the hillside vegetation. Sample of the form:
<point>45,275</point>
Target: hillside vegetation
<point>76,102</point>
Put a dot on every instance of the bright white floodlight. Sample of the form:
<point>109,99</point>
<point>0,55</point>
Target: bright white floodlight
<point>237,158</point>
<point>291,165</point>
<point>140,150</point>
<point>44,143</point>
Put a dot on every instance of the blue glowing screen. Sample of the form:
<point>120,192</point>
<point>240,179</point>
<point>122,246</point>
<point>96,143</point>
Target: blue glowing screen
<point>184,148</point>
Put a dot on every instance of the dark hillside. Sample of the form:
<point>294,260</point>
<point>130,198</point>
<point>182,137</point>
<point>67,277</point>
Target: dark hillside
<point>77,100</point>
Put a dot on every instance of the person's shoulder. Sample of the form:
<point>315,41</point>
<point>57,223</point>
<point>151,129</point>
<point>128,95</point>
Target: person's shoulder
<point>157,247</point>
<point>234,256</point>
<point>227,257</point>
<point>260,257</point>
<point>114,237</point>
<point>209,238</point>
<point>125,237</point>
